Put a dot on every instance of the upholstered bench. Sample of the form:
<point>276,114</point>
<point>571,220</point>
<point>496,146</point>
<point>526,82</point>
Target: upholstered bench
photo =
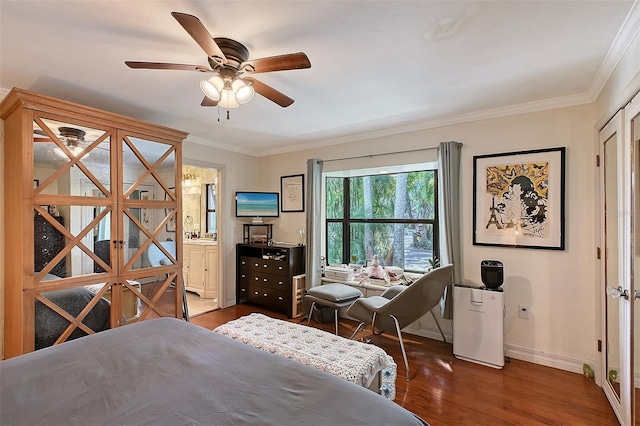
<point>363,364</point>
<point>334,296</point>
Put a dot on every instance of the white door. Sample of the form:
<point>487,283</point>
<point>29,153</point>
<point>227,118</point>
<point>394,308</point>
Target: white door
<point>632,131</point>
<point>618,260</point>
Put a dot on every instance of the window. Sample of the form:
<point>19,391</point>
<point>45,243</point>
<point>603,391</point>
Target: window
<point>394,216</point>
<point>211,225</point>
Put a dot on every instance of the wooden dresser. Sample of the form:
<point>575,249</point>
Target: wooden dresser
<point>265,275</point>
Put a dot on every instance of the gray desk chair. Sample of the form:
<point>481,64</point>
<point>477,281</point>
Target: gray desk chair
<point>400,305</point>
<point>156,257</point>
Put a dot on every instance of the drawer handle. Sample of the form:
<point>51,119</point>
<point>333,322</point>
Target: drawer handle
<point>265,294</point>
<point>243,262</point>
<point>280,267</point>
<point>256,292</point>
<point>280,298</point>
<point>243,275</point>
<point>280,283</point>
<point>265,280</point>
<point>265,266</point>
<point>256,278</point>
<point>243,289</point>
<point>256,264</point>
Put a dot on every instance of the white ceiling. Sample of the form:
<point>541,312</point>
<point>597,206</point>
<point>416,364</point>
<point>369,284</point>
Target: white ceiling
<point>375,64</point>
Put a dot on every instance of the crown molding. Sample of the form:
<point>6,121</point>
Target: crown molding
<point>219,145</point>
<point>524,108</point>
<point>627,33</point>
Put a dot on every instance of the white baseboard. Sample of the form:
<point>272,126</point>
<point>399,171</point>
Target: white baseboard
<point>537,357</point>
<point>573,365</point>
<point>430,334</point>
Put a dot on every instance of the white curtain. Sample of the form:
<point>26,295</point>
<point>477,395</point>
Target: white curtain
<point>314,224</point>
<point>449,154</point>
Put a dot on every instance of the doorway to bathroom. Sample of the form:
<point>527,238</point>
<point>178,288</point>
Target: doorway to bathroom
<point>200,239</point>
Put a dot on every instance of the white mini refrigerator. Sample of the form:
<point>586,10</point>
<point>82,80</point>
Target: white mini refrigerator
<point>478,325</point>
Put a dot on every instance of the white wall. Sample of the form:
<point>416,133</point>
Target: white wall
<point>556,285</point>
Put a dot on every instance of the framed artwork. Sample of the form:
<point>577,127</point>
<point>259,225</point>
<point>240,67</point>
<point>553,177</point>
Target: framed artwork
<point>518,199</point>
<point>292,193</point>
<point>144,212</point>
<point>171,225</point>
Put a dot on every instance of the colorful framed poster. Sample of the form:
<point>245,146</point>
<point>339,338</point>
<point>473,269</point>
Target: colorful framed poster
<point>518,199</point>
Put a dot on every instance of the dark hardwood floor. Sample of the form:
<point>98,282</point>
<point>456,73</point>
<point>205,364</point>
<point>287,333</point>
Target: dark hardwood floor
<point>447,391</point>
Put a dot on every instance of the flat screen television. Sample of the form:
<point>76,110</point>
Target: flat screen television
<point>257,204</point>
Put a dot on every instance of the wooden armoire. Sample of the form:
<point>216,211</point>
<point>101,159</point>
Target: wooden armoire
<point>88,177</point>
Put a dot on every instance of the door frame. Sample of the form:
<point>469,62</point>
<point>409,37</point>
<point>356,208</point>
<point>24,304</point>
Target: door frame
<point>220,208</point>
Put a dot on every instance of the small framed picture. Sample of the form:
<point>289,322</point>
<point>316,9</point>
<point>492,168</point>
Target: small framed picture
<point>292,193</point>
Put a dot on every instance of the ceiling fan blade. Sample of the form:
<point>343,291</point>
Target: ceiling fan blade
<point>206,101</point>
<point>165,66</point>
<point>200,34</point>
<point>292,61</point>
<point>270,93</point>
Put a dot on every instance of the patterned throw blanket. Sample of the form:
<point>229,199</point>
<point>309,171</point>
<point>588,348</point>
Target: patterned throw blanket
<point>350,360</point>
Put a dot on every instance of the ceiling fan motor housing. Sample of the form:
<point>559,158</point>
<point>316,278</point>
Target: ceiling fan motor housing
<point>235,52</point>
<point>72,135</point>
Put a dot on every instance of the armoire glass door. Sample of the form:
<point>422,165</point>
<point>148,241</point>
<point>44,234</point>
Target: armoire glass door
<point>148,209</point>
<point>73,214</point>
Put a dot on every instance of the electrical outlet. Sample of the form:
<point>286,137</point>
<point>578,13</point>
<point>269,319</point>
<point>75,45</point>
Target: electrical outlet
<point>523,311</point>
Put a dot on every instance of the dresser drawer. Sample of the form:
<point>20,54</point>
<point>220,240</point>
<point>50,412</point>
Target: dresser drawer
<point>276,299</point>
<point>276,282</point>
<point>251,278</point>
<point>255,293</point>
<point>250,263</point>
<point>243,292</point>
<point>275,267</point>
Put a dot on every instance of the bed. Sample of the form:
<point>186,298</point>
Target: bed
<point>49,325</point>
<point>167,371</point>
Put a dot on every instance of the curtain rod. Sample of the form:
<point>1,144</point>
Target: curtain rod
<point>379,155</point>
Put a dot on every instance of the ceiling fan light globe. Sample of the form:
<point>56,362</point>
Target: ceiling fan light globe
<point>245,94</point>
<point>60,153</point>
<point>212,87</point>
<point>209,90</point>
<point>228,99</point>
<point>75,151</point>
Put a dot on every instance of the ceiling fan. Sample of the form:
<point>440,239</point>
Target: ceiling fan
<point>71,137</point>
<point>229,61</point>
